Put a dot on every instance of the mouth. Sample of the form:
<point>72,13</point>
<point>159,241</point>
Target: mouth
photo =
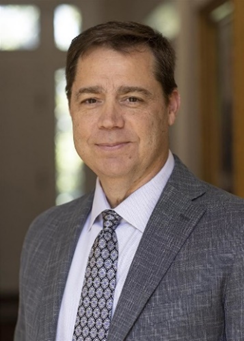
<point>112,146</point>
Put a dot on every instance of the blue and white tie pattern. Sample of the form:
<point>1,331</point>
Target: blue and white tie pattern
<point>96,302</point>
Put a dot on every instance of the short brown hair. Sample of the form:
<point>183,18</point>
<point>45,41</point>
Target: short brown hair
<point>123,37</point>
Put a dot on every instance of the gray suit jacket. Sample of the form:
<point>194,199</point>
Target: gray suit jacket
<point>186,281</point>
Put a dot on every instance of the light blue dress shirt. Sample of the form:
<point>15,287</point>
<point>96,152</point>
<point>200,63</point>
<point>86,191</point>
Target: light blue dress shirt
<point>135,212</point>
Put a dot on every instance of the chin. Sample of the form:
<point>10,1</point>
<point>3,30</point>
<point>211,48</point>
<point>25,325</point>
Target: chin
<point>112,173</point>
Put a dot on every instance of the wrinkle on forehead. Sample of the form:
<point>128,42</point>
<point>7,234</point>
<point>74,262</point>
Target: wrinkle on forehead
<point>103,71</point>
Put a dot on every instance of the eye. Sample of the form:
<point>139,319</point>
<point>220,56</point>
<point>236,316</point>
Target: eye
<point>133,99</point>
<point>89,101</point>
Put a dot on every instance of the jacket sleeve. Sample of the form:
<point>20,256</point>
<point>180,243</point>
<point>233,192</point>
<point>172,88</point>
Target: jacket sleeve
<point>234,299</point>
<point>32,266</point>
<point>19,334</point>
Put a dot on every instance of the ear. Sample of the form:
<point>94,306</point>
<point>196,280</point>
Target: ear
<point>173,106</point>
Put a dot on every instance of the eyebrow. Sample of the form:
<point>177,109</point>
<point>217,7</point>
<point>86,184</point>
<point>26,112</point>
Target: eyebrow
<point>121,91</point>
<point>89,90</point>
<point>127,89</point>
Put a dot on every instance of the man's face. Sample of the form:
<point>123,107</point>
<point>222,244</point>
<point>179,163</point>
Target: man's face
<point>120,117</point>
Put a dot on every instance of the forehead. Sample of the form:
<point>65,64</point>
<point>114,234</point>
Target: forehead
<point>99,61</point>
<point>123,50</point>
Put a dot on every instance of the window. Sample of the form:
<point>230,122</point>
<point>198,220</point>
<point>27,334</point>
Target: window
<point>165,19</point>
<point>19,27</point>
<point>68,164</point>
<point>69,177</point>
<point>64,33</point>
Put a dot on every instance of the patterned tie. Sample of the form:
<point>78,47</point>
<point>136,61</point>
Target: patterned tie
<point>96,302</point>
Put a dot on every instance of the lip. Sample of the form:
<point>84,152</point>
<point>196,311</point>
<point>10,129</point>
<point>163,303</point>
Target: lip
<point>112,146</point>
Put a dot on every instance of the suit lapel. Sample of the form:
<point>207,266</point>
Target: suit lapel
<point>66,237</point>
<point>171,223</point>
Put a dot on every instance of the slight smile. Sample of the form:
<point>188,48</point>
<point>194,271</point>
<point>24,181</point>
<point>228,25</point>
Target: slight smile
<point>112,146</point>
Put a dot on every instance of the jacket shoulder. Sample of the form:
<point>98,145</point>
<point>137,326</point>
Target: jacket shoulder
<point>220,206</point>
<point>49,227</point>
<point>54,215</point>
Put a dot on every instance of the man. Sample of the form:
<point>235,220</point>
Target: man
<point>172,264</point>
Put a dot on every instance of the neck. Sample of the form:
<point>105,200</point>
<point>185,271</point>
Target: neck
<point>117,190</point>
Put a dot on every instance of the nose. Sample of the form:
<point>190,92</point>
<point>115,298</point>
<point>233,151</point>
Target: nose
<point>111,116</point>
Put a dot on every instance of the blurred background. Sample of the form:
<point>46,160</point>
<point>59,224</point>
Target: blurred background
<point>39,167</point>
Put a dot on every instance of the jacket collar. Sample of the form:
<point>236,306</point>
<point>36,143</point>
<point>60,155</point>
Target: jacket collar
<point>172,221</point>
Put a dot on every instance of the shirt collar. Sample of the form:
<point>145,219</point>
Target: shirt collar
<point>138,207</point>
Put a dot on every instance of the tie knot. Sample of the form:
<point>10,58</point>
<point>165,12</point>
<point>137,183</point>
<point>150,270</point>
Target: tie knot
<point>110,219</point>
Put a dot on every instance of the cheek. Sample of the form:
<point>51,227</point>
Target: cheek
<point>80,130</point>
<point>75,122</point>
<point>155,130</point>
<point>76,130</point>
